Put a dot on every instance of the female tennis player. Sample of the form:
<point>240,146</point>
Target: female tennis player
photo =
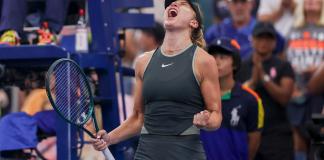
<point>176,93</point>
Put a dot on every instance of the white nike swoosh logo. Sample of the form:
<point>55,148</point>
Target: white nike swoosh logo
<point>166,65</point>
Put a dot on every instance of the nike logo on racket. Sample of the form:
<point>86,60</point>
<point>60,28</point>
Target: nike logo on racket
<point>166,65</point>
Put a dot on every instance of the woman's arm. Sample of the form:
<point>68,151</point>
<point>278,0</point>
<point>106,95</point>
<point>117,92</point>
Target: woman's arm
<point>316,83</point>
<point>132,126</point>
<point>207,74</point>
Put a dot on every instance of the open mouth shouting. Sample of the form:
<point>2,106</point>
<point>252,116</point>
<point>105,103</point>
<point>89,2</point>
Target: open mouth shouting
<point>173,12</point>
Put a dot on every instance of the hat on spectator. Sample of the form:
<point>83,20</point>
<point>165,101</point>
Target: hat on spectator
<point>264,28</point>
<point>226,46</point>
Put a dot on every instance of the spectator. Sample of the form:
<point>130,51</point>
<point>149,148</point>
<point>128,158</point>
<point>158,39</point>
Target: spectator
<point>151,38</point>
<point>255,8</point>
<point>13,16</point>
<point>239,135</point>
<point>273,80</point>
<point>279,12</point>
<point>35,102</point>
<point>37,118</point>
<point>129,47</point>
<point>220,10</point>
<point>305,53</point>
<point>238,27</point>
<point>308,30</point>
<point>316,85</point>
<point>146,40</point>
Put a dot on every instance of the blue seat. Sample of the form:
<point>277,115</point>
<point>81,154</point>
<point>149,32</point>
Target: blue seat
<point>20,131</point>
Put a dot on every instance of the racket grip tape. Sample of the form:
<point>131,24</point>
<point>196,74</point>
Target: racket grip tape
<point>108,155</point>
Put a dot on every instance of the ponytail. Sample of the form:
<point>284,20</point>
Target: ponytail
<point>197,34</point>
<point>197,37</point>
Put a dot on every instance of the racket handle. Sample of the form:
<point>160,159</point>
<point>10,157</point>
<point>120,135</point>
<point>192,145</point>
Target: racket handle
<point>108,155</point>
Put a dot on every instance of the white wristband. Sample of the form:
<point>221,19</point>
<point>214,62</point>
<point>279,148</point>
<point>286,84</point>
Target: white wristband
<point>266,78</point>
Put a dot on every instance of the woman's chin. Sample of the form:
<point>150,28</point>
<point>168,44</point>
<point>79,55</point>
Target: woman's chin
<point>169,24</point>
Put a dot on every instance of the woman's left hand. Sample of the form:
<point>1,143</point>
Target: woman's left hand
<point>201,119</point>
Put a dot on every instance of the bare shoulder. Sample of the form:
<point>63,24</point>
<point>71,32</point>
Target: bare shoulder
<point>204,64</point>
<point>142,61</point>
<point>204,60</point>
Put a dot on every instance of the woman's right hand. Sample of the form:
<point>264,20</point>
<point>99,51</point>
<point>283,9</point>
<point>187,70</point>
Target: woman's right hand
<point>101,142</point>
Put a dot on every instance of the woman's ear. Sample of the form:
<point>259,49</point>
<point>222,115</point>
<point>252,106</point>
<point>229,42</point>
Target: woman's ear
<point>194,24</point>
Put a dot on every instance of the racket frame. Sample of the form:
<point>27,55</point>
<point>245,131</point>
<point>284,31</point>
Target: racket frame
<point>51,99</point>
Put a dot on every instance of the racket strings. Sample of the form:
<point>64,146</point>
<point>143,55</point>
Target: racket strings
<point>70,92</point>
<point>78,102</point>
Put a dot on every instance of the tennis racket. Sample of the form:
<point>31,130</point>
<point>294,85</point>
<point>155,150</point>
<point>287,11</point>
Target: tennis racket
<point>69,92</point>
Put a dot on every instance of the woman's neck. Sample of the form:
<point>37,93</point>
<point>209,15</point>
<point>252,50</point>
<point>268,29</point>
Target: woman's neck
<point>175,41</point>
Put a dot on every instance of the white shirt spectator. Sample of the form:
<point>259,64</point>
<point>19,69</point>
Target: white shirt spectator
<point>284,23</point>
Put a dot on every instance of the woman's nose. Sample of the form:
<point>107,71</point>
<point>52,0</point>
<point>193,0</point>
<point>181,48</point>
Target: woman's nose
<point>175,4</point>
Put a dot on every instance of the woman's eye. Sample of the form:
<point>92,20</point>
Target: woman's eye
<point>183,3</point>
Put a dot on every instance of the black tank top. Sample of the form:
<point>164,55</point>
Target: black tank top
<point>171,93</point>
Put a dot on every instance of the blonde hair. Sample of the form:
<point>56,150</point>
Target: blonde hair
<point>300,15</point>
<point>197,34</point>
<point>197,37</point>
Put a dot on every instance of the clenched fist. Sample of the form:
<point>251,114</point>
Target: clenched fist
<point>201,119</point>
